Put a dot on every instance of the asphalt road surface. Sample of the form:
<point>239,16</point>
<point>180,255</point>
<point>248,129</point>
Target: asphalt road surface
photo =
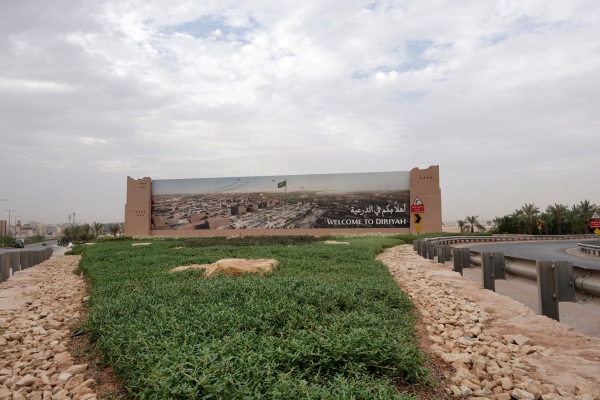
<point>543,251</point>
<point>34,246</point>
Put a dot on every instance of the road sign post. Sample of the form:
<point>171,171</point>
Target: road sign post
<point>417,220</point>
<point>595,223</point>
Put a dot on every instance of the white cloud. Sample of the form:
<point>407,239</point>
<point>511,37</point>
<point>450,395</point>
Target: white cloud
<point>501,92</point>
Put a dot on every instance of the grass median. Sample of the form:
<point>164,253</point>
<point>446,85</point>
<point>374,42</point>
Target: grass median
<point>329,323</point>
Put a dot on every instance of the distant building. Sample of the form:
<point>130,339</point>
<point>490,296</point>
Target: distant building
<point>252,207</point>
<point>266,204</point>
<point>3,231</point>
<point>41,229</point>
<point>216,222</point>
<point>212,222</point>
<point>238,210</point>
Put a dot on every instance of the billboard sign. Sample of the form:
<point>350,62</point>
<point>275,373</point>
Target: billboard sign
<point>361,200</point>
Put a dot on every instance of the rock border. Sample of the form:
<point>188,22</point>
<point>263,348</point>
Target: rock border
<point>35,363</point>
<point>464,331</point>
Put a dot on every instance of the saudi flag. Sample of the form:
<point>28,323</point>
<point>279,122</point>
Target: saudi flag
<point>281,184</point>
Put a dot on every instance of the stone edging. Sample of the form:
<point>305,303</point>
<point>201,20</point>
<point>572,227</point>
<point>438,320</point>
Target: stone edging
<point>34,361</point>
<point>487,364</point>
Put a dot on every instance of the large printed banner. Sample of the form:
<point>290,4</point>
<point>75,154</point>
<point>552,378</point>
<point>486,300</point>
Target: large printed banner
<point>363,200</point>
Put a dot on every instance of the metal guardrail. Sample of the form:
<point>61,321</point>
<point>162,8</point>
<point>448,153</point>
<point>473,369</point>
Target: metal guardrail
<point>557,280</point>
<point>589,249</point>
<point>504,238</point>
<point>20,260</point>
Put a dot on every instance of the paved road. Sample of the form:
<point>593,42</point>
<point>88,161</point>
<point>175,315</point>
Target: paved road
<point>34,246</point>
<point>551,250</point>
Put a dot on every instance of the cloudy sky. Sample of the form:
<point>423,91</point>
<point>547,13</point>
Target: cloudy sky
<point>504,95</point>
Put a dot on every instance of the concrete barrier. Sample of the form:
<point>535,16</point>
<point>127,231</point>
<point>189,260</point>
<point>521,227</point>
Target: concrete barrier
<point>30,259</point>
<point>24,260</point>
<point>4,266</point>
<point>38,257</point>
<point>15,263</point>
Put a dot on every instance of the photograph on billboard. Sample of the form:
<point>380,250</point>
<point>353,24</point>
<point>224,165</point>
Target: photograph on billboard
<point>358,200</point>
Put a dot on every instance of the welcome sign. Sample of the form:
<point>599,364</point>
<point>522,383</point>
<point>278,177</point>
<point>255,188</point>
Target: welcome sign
<point>360,200</point>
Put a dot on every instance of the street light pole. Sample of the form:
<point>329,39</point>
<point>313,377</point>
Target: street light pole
<point>15,217</point>
<point>9,220</point>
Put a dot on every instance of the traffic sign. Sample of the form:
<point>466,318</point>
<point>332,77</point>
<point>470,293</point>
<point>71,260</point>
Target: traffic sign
<point>418,227</point>
<point>540,224</point>
<point>597,231</point>
<point>417,206</point>
<point>595,216</point>
<point>594,224</point>
<point>417,218</point>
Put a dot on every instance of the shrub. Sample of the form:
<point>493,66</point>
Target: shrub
<point>329,323</point>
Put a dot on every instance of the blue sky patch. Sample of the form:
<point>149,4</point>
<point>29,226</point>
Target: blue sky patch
<point>205,26</point>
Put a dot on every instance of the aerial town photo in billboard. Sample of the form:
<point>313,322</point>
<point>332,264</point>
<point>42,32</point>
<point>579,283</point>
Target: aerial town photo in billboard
<point>361,200</point>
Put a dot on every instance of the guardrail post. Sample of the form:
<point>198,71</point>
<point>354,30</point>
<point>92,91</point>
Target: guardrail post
<point>465,255</point>
<point>430,250</point>
<point>4,266</point>
<point>565,281</point>
<point>547,293</point>
<point>499,265</point>
<point>448,252</point>
<point>487,267</point>
<point>440,254</point>
<point>457,260</point>
<point>15,262</point>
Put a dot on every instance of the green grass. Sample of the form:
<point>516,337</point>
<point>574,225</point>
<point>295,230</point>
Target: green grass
<point>329,323</point>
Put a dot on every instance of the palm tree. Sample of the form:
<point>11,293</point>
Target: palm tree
<point>586,210</point>
<point>518,216</point>
<point>558,211</point>
<point>472,220</point>
<point>97,227</point>
<point>67,231</point>
<point>86,231</point>
<point>530,211</point>
<point>114,228</point>
<point>547,219</point>
<point>76,231</point>
<point>571,217</point>
<point>496,221</point>
<point>461,225</point>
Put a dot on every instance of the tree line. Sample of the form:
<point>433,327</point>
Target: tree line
<point>557,219</point>
<point>90,231</point>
